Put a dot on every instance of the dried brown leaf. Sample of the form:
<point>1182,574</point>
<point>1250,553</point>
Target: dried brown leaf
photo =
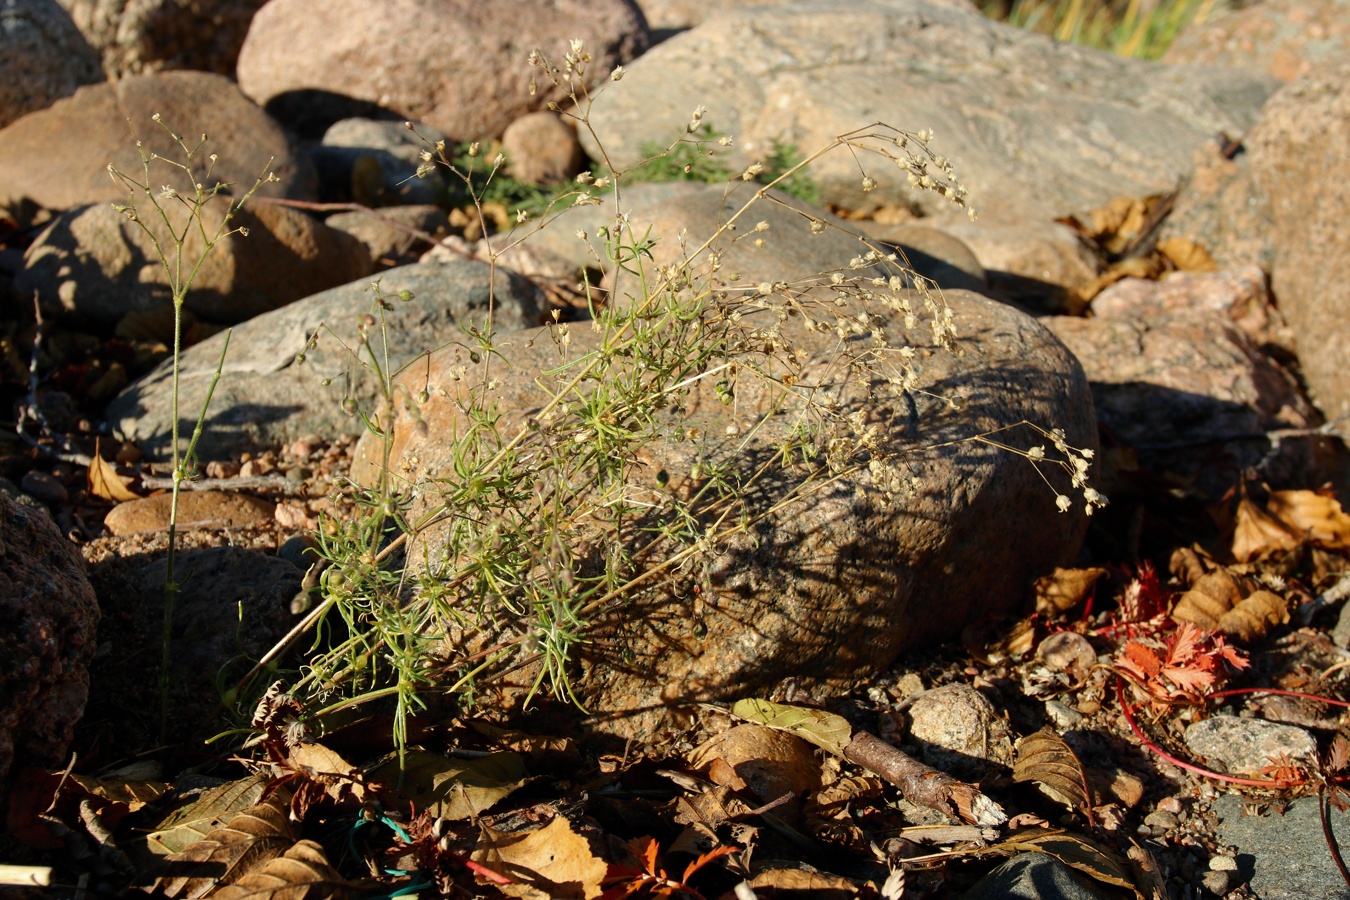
<point>214,809</point>
<point>553,861</point>
<point>254,836</point>
<point>1189,565</point>
<point>1258,533</point>
<point>1252,619</point>
<point>1076,852</point>
<point>301,873</point>
<point>1187,255</point>
<point>1313,516</point>
<point>103,481</point>
<point>1063,589</point>
<point>454,788</point>
<point>131,795</point>
<point>1045,758</point>
<point>799,883</point>
<point>1209,599</point>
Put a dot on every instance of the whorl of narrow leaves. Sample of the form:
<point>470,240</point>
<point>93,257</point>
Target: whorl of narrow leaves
<point>1045,758</point>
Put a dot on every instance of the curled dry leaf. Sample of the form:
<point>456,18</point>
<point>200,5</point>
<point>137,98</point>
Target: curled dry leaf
<point>1190,564</point>
<point>1076,852</point>
<point>1219,601</point>
<point>1063,589</point>
<point>797,883</point>
<point>301,873</point>
<point>549,862</point>
<point>103,481</point>
<point>828,812</point>
<point>213,809</point>
<point>768,761</point>
<point>1046,759</point>
<point>454,788</point>
<point>1187,255</point>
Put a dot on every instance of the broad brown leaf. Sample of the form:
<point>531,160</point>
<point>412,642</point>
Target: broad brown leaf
<point>1063,589</point>
<point>301,873</point>
<point>213,809</point>
<point>253,837</point>
<point>1045,758</point>
<point>455,788</point>
<point>1258,533</point>
<point>549,862</point>
<point>1313,516</point>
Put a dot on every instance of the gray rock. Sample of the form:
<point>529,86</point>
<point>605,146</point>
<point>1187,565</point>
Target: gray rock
<point>96,265</point>
<point>380,232</point>
<point>1034,876</point>
<point>959,732</point>
<point>1239,746</point>
<point>58,158</point>
<point>1189,391</point>
<point>266,398</point>
<point>233,605</point>
<point>48,621</point>
<point>46,57</point>
<point>457,65</point>
<point>1278,206</point>
<point>375,163</point>
<point>826,589</point>
<point>541,148</point>
<point>1033,126</point>
<point>1284,857</point>
<point>140,36</point>
<point>1283,38</point>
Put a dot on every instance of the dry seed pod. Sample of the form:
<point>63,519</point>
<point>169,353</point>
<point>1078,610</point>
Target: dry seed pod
<point>1253,618</point>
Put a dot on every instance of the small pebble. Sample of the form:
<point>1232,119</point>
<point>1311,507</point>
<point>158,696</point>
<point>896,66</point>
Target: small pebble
<point>1064,717</point>
<point>1172,805</point>
<point>1218,883</point>
<point>1222,864</point>
<point>1067,651</point>
<point>44,487</point>
<point>1160,820</point>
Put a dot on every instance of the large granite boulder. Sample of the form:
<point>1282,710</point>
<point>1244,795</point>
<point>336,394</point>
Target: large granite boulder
<point>457,65</point>
<point>98,266</point>
<point>923,529</point>
<point>58,157</point>
<point>48,620</point>
<point>139,36</point>
<point>1283,204</point>
<point>267,397</point>
<point>1283,38</point>
<point>1031,125</point>
<point>46,57</point>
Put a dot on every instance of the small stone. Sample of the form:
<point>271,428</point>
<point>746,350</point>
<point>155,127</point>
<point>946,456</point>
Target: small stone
<point>1160,820</point>
<point>1223,864</point>
<point>1067,651</point>
<point>1172,805</point>
<point>196,509</point>
<point>1246,746</point>
<point>44,487</point>
<point>1218,883</point>
<point>300,550</point>
<point>959,732</point>
<point>1065,717</point>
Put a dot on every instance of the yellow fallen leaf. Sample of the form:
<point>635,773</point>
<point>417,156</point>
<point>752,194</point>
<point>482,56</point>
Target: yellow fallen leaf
<point>1063,589</point>
<point>104,482</point>
<point>1258,533</point>
<point>1187,255</point>
<point>1317,517</point>
<point>553,861</point>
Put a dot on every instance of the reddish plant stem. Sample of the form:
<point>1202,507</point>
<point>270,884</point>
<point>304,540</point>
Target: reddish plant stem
<point>1191,767</point>
<point>1329,835</point>
<point>1283,693</point>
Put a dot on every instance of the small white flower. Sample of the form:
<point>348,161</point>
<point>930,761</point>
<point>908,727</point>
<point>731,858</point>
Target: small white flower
<point>617,74</point>
<point>1063,503</point>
